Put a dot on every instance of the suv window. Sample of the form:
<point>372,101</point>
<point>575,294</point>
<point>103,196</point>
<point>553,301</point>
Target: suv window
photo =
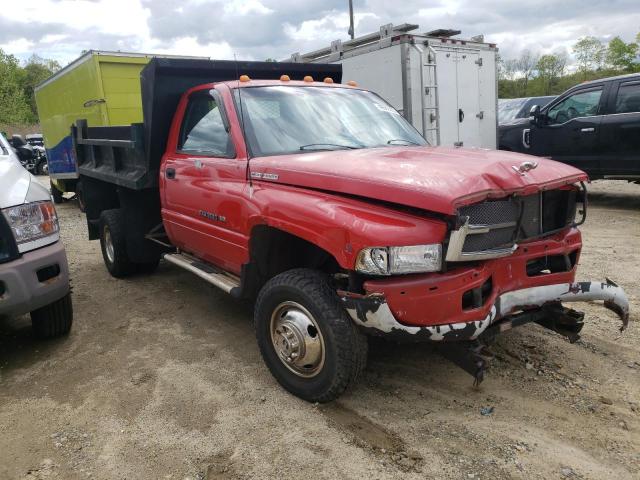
<point>628,99</point>
<point>580,104</point>
<point>202,131</point>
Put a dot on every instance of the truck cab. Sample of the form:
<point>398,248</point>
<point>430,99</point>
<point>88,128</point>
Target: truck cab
<point>322,205</point>
<point>593,126</point>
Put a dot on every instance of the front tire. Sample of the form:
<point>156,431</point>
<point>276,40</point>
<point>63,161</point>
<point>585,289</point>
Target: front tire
<point>305,337</point>
<point>53,320</point>
<point>114,245</point>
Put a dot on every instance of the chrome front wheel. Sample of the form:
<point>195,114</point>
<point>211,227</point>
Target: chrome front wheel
<point>297,339</point>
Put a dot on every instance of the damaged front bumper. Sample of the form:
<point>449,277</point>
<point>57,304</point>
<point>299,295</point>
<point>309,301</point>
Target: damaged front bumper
<point>372,311</point>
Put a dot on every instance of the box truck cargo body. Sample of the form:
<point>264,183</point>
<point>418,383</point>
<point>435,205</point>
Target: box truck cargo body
<point>101,87</point>
<point>445,87</point>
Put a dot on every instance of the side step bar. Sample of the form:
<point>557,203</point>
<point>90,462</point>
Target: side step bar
<point>222,280</point>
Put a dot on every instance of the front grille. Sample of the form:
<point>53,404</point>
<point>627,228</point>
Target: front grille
<point>498,225</point>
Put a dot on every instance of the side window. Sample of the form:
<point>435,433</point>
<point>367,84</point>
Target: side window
<point>628,99</point>
<point>580,104</point>
<point>202,131</point>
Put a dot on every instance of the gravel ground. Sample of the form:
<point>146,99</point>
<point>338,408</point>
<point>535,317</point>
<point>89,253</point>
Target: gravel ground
<point>161,378</point>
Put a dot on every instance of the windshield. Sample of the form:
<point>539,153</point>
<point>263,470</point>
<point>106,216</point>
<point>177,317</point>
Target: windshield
<point>283,119</point>
<point>509,108</point>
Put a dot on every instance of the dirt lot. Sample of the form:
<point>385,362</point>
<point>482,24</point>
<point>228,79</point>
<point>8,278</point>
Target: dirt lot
<point>161,378</point>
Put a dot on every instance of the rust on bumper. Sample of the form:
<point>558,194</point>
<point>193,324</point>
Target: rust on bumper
<point>372,311</point>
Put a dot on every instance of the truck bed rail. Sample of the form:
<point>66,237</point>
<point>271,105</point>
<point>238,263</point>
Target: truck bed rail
<point>114,155</point>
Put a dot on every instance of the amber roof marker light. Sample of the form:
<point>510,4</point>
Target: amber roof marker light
<point>328,80</point>
<point>308,78</point>
<point>352,83</point>
<point>284,78</point>
<point>244,78</point>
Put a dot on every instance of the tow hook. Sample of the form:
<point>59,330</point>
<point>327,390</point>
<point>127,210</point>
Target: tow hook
<point>472,357</point>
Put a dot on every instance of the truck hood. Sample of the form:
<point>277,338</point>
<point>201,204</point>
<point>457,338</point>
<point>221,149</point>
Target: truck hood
<point>438,179</point>
<point>17,186</point>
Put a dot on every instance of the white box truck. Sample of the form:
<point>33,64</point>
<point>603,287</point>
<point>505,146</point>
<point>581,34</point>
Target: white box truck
<point>446,87</point>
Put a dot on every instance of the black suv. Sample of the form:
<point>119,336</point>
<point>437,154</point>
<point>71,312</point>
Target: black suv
<point>513,119</point>
<point>594,126</point>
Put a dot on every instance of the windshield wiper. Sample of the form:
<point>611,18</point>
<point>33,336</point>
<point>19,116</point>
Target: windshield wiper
<point>394,140</point>
<point>323,146</point>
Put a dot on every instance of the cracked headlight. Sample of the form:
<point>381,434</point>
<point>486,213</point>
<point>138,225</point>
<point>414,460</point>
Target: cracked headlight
<point>33,224</point>
<point>398,260</point>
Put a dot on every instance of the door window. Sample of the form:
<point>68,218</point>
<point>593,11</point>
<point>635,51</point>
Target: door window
<point>580,104</point>
<point>203,131</point>
<point>628,99</point>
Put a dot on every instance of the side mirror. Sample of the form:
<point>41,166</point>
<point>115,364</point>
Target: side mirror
<point>535,115</point>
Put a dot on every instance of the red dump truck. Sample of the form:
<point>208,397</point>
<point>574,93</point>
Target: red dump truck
<point>324,206</point>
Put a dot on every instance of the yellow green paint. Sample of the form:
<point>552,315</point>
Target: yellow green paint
<point>114,79</point>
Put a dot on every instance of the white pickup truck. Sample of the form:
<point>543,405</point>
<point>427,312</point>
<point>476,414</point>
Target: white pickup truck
<point>34,275</point>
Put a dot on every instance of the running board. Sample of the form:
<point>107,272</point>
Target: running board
<point>223,281</point>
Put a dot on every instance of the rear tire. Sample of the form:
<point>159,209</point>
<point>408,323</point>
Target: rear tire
<point>56,194</point>
<point>53,320</point>
<point>298,307</point>
<point>114,245</point>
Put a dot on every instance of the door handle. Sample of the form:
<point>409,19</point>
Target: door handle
<point>460,115</point>
<point>588,130</point>
<point>170,173</point>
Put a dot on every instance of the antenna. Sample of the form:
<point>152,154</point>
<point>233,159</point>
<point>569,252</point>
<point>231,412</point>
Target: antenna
<point>244,134</point>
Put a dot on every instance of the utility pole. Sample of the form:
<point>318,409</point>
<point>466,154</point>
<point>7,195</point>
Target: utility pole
<point>351,28</point>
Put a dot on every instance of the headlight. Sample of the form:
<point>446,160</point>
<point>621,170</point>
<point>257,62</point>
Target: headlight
<point>33,224</point>
<point>397,260</point>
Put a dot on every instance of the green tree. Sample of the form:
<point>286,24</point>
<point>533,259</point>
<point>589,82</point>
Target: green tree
<point>35,71</point>
<point>14,107</point>
<point>526,65</point>
<point>550,68</point>
<point>590,53</point>
<point>621,55</point>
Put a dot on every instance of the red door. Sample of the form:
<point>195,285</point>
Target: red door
<point>203,185</point>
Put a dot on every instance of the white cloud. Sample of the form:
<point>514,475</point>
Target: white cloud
<point>193,47</point>
<point>20,47</point>
<point>244,7</point>
<point>257,29</point>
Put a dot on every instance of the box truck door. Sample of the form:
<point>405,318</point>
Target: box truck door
<point>468,81</point>
<point>447,91</point>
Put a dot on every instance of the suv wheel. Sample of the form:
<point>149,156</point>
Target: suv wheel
<point>113,244</point>
<point>305,337</point>
<point>54,319</point>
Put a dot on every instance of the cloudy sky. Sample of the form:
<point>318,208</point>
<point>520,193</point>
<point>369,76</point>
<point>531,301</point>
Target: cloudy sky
<point>259,29</point>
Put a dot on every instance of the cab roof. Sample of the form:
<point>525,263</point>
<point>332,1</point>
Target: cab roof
<point>163,81</point>
<point>233,84</point>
